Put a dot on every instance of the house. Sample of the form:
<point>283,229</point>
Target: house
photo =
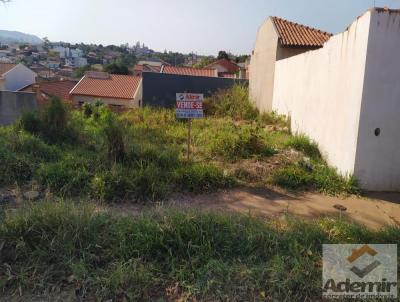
<point>45,90</point>
<point>13,77</point>
<point>76,62</point>
<point>344,94</point>
<point>153,62</point>
<point>278,39</point>
<point>53,64</point>
<point>139,69</point>
<point>114,90</point>
<point>224,67</point>
<point>189,71</point>
<point>66,52</point>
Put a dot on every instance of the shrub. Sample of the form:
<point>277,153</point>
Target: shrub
<point>31,122</point>
<point>233,102</point>
<point>199,178</point>
<point>293,178</point>
<point>112,185</point>
<point>303,144</point>
<point>241,142</point>
<point>150,183</point>
<point>272,118</point>
<point>113,131</point>
<point>320,178</point>
<point>87,110</point>
<point>52,123</point>
<point>67,177</point>
<point>31,146</point>
<point>13,168</point>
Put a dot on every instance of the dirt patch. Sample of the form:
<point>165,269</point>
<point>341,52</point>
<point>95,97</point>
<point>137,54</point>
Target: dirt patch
<point>369,211</point>
<point>255,171</point>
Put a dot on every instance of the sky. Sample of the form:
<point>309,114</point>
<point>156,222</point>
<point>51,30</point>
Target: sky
<point>200,26</point>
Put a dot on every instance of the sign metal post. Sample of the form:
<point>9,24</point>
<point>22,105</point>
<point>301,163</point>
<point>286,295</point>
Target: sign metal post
<point>189,106</point>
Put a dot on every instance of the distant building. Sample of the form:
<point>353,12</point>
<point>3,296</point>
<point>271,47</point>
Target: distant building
<point>53,64</point>
<point>139,69</point>
<point>224,67</point>
<point>153,62</point>
<point>66,52</point>
<point>13,77</point>
<point>113,90</point>
<point>76,62</point>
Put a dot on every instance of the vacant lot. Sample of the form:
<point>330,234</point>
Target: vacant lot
<point>141,156</point>
<point>69,247</point>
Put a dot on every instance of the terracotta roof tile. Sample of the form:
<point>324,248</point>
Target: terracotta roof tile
<point>59,89</point>
<point>189,71</point>
<point>229,65</point>
<point>296,35</point>
<point>107,85</point>
<point>146,67</point>
<point>5,67</point>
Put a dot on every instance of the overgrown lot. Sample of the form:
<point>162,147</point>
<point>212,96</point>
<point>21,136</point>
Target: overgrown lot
<point>140,155</point>
<point>84,253</point>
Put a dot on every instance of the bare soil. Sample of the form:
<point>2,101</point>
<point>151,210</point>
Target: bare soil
<point>374,210</point>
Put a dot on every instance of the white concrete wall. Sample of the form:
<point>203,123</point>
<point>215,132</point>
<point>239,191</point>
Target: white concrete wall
<point>18,78</point>
<point>321,90</point>
<point>262,66</point>
<point>378,160</point>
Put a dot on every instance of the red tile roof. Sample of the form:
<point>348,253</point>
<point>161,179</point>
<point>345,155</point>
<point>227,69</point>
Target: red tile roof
<point>59,89</point>
<point>229,65</point>
<point>189,71</point>
<point>107,85</point>
<point>5,67</point>
<point>146,67</point>
<point>296,35</point>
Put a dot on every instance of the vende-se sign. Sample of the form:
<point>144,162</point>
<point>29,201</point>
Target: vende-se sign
<point>189,105</point>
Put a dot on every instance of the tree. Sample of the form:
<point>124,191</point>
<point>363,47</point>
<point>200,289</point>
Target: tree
<point>241,58</point>
<point>223,55</point>
<point>46,42</point>
<point>115,68</point>
<point>204,62</point>
<point>80,72</point>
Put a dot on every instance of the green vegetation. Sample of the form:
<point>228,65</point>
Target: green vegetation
<point>80,72</point>
<point>141,156</point>
<point>52,247</point>
<point>116,68</point>
<point>234,104</point>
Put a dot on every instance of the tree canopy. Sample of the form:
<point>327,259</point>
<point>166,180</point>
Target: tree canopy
<point>115,68</point>
<point>223,55</point>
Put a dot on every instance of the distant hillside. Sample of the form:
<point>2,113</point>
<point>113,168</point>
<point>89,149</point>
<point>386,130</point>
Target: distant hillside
<point>18,37</point>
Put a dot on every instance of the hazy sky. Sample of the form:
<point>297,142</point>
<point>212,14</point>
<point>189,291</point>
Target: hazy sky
<point>202,26</point>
